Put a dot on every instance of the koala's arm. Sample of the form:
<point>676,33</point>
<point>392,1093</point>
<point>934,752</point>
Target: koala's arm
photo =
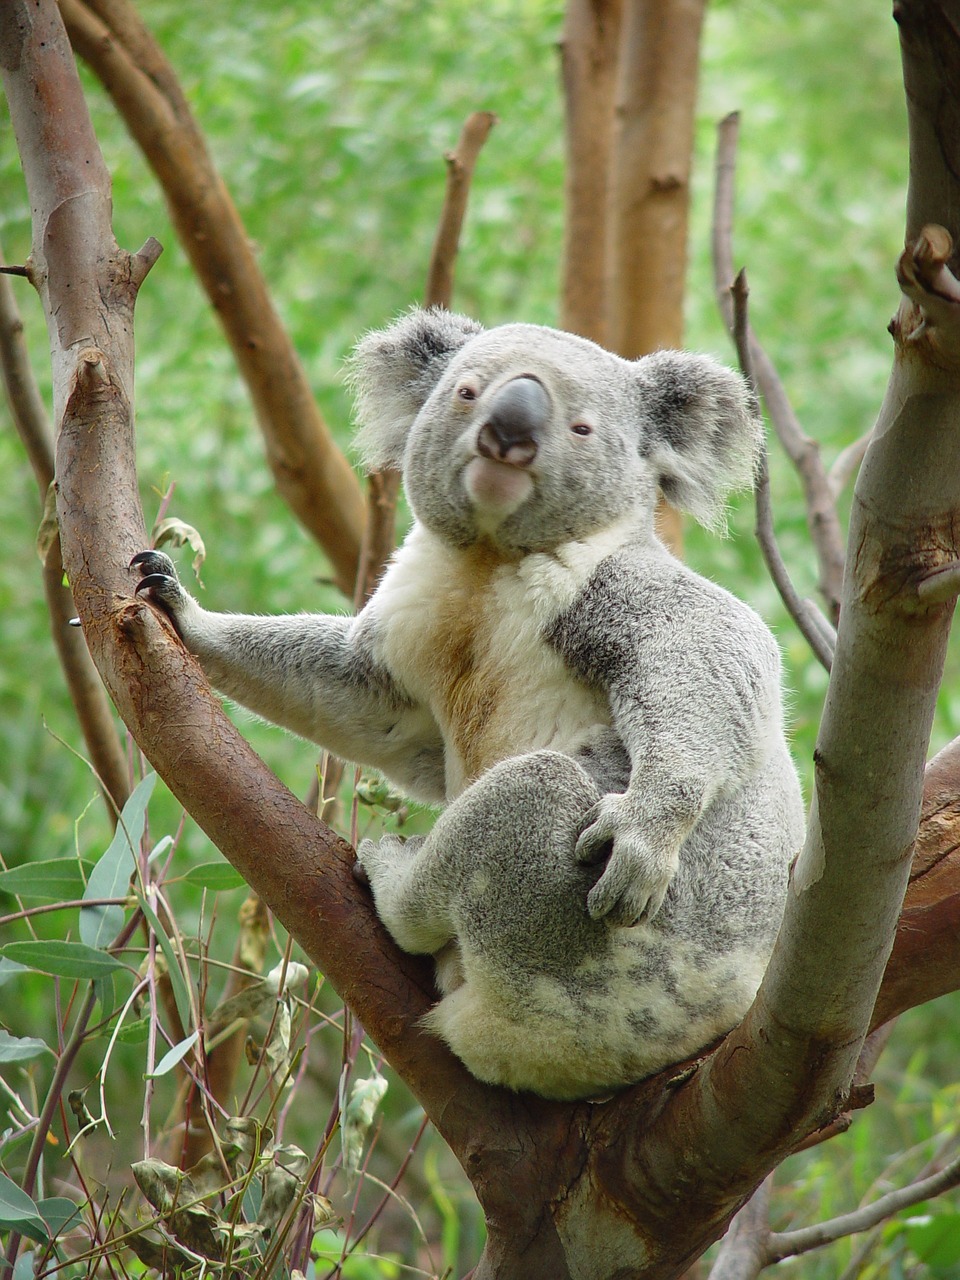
<point>693,678</point>
<point>312,673</point>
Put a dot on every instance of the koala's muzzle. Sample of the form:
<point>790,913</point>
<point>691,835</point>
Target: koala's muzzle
<point>515,420</point>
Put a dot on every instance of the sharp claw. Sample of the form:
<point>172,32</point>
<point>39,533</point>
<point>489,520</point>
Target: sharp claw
<point>140,557</point>
<point>152,580</point>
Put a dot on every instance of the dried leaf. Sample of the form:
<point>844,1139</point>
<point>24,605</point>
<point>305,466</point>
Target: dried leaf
<point>49,527</point>
<point>356,1117</point>
<point>179,534</point>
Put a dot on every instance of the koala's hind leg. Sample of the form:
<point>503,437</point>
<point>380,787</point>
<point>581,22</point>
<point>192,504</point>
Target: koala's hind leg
<point>497,874</point>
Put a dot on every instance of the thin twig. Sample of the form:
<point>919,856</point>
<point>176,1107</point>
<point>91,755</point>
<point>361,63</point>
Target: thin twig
<point>804,453</point>
<point>788,1244</point>
<point>847,463</point>
<point>815,628</point>
<point>461,162</point>
<point>383,487</point>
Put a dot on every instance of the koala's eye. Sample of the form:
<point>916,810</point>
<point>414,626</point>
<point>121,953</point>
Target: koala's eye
<point>466,392</point>
<point>582,429</point>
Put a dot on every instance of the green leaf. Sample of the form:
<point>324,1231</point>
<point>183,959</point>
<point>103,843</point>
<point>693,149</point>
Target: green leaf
<point>58,1213</point>
<point>935,1240</point>
<point>54,879</point>
<point>134,1032</point>
<point>18,1210</point>
<point>218,876</point>
<point>180,994</point>
<point>20,1048</point>
<point>110,878</point>
<point>61,959</point>
<point>173,1056</point>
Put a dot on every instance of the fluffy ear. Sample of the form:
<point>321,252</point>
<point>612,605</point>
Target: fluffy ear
<point>703,430</point>
<point>393,372</point>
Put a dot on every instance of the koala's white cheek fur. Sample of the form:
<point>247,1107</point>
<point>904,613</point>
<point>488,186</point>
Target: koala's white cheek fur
<point>463,632</point>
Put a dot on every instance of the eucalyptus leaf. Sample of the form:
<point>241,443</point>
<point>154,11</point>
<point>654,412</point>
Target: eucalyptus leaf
<point>174,1055</point>
<point>21,1048</point>
<point>218,876</point>
<point>110,878</point>
<point>61,959</point>
<point>52,879</point>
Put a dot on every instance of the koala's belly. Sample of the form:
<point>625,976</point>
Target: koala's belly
<point>467,639</point>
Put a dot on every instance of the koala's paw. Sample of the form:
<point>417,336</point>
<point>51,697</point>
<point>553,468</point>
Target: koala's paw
<point>635,882</point>
<point>376,859</point>
<point>160,582</point>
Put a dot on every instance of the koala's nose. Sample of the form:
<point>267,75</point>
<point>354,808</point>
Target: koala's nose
<point>515,419</point>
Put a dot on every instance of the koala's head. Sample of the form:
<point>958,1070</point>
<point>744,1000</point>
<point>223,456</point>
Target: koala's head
<point>529,437</point>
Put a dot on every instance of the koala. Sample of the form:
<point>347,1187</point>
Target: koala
<point>603,726</point>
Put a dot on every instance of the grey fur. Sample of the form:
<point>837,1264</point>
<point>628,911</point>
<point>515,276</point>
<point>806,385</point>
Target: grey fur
<point>604,887</point>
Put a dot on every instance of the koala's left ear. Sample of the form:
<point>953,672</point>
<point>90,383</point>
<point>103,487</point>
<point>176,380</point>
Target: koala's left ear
<point>703,430</point>
<point>394,370</point>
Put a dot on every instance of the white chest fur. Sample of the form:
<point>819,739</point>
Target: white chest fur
<point>461,631</point>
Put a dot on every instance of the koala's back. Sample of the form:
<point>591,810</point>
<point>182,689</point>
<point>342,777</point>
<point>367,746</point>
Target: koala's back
<point>549,1000</point>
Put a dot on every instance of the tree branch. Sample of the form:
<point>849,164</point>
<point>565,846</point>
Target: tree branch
<point>745,1251</point>
<point>803,452</point>
<point>383,487</point>
<point>93,709</point>
<point>813,626</point>
<point>588,50</point>
<point>461,162</point>
<point>789,1244</point>
<point>311,473</point>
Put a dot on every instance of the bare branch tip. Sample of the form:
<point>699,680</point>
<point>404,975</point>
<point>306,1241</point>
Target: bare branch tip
<point>23,271</point>
<point>933,246</point>
<point>91,370</point>
<point>142,261</point>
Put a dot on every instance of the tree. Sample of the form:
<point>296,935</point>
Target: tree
<point>642,1184</point>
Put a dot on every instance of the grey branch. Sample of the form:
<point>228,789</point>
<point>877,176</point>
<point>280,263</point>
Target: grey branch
<point>804,453</point>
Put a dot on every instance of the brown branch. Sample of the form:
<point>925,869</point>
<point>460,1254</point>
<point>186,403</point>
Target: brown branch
<point>803,452</point>
<point>813,626</point>
<point>310,471</point>
<point>461,162</point>
<point>383,487</point>
<point>589,54</point>
<point>649,186</point>
<point>94,713</point>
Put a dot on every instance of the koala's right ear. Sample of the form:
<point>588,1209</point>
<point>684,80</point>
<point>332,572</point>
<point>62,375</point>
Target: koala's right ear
<point>394,370</point>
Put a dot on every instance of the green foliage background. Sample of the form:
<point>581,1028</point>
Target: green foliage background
<point>329,121</point>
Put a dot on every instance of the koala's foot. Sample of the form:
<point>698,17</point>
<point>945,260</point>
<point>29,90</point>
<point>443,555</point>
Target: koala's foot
<point>160,582</point>
<point>633,886</point>
<point>380,861</point>
<point>411,910</point>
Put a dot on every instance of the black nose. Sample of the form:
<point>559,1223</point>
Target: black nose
<point>515,419</point>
